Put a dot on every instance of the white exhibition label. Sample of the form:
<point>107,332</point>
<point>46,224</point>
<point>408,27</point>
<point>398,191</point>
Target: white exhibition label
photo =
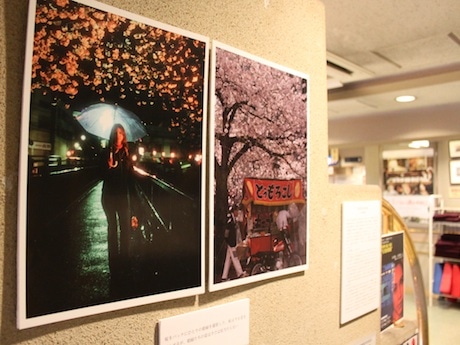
<point>361,252</point>
<point>368,340</point>
<point>223,324</point>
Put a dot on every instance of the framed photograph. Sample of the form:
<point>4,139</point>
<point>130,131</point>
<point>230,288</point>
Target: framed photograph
<point>454,149</point>
<point>112,162</point>
<point>258,169</point>
<point>455,172</point>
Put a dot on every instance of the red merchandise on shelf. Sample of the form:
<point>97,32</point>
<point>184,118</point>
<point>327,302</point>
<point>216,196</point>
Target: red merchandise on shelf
<point>446,280</point>
<point>455,291</point>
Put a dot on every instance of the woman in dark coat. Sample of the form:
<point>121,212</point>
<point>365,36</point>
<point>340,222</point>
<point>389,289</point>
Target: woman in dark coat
<point>118,171</point>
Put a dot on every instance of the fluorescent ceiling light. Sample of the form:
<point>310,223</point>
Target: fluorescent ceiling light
<point>418,144</point>
<point>405,99</point>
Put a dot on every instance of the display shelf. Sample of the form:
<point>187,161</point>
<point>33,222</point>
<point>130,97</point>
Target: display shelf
<point>437,258</point>
<point>439,227</point>
<point>445,296</point>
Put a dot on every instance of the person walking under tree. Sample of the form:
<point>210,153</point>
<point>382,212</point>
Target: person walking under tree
<point>232,238</point>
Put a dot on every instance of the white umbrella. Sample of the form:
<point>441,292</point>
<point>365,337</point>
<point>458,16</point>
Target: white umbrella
<point>98,119</point>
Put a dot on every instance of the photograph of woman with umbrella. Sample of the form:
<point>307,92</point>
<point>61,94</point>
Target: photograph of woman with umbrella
<point>112,162</point>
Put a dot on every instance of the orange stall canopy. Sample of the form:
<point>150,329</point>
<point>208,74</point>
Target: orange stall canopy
<point>272,192</point>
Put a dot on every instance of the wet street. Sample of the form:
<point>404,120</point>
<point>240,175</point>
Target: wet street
<point>67,257</point>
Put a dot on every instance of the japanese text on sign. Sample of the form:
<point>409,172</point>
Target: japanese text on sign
<point>225,324</point>
<point>273,192</point>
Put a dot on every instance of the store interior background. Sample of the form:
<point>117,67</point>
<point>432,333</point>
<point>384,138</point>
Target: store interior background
<point>421,39</point>
<point>377,51</point>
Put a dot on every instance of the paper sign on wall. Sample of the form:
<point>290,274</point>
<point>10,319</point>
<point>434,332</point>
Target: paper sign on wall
<point>360,286</point>
<point>223,324</point>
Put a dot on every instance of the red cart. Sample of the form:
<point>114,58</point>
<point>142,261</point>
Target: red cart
<point>268,246</point>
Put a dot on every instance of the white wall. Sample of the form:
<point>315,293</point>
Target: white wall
<point>428,123</point>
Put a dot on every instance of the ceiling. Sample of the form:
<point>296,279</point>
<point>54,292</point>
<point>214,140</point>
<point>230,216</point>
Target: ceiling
<point>377,50</point>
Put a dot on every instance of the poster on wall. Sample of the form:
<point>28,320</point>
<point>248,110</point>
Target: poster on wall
<point>392,287</point>
<point>360,278</point>
<point>408,172</point>
<point>111,163</point>
<point>258,169</point>
<point>454,172</point>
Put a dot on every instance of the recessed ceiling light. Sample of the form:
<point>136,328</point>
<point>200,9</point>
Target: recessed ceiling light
<point>418,144</point>
<point>405,99</point>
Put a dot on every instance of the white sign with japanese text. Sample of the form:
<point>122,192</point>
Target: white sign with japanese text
<point>361,256</point>
<point>223,324</point>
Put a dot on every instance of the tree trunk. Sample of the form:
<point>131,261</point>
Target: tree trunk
<point>220,200</point>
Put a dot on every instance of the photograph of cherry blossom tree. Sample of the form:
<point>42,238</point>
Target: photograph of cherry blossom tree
<point>259,131</point>
<point>111,163</point>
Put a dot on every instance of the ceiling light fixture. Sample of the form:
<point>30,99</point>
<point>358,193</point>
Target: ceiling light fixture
<point>405,99</point>
<point>418,144</point>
